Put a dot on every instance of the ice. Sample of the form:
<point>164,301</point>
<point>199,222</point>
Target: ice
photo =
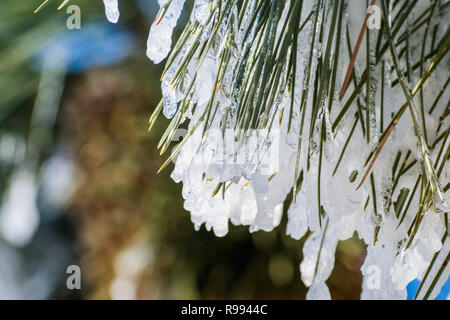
<point>160,37</point>
<point>170,99</point>
<point>201,11</point>
<point>19,215</point>
<point>244,177</point>
<point>438,271</point>
<point>297,222</point>
<point>206,77</point>
<point>112,10</point>
<point>318,255</point>
<point>377,283</point>
<point>371,89</point>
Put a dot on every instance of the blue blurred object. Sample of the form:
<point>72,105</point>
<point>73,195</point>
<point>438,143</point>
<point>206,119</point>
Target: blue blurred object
<point>96,44</point>
<point>413,286</point>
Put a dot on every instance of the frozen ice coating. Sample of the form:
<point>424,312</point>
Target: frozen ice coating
<point>206,77</point>
<point>435,288</point>
<point>112,10</point>
<point>160,37</point>
<point>19,215</point>
<point>240,160</point>
<point>170,100</point>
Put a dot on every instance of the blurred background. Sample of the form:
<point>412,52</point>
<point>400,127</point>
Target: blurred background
<point>78,182</point>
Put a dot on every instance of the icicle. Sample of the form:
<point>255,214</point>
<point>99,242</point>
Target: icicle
<point>160,36</point>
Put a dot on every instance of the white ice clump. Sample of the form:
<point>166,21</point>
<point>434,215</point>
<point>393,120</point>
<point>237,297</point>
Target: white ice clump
<point>112,10</point>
